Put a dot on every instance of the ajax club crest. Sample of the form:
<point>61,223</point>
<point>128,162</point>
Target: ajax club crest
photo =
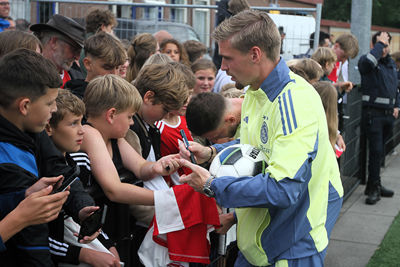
<point>264,133</point>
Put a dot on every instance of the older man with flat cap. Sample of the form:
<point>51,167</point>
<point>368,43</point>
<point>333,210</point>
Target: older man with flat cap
<point>62,39</point>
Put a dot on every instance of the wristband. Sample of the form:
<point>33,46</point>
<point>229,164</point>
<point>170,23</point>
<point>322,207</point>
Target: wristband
<point>211,154</point>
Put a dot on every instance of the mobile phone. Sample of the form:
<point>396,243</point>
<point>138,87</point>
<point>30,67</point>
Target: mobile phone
<point>93,223</point>
<point>69,177</point>
<point>186,142</point>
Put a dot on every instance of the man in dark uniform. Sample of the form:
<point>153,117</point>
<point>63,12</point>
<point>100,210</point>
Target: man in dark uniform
<point>380,108</point>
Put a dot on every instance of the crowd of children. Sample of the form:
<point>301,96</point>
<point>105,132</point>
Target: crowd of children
<point>120,122</point>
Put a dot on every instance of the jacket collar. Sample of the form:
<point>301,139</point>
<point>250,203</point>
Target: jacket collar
<point>276,80</point>
<point>9,133</point>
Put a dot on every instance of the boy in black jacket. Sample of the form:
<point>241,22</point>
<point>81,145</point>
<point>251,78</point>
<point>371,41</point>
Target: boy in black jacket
<point>28,90</point>
<point>66,132</point>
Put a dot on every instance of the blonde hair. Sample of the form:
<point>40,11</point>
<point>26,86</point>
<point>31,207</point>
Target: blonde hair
<point>66,102</point>
<point>110,91</point>
<point>251,28</point>
<point>158,59</point>
<point>349,44</point>
<point>324,55</point>
<point>166,82</point>
<point>229,90</point>
<point>328,95</point>
<point>141,48</point>
<point>308,68</point>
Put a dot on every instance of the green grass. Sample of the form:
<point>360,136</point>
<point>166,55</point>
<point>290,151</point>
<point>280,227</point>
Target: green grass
<point>388,253</point>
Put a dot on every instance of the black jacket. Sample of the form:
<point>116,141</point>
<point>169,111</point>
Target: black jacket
<point>378,78</point>
<point>25,157</point>
<point>147,137</point>
<point>77,87</point>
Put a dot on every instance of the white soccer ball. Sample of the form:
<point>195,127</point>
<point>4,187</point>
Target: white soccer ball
<point>238,161</point>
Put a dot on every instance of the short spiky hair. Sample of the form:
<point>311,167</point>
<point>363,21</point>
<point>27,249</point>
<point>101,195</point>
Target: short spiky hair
<point>66,102</point>
<point>26,73</point>
<point>205,112</point>
<point>251,28</point>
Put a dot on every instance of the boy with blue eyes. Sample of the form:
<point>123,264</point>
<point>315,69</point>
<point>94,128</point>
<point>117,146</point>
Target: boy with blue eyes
<point>103,55</point>
<point>66,132</point>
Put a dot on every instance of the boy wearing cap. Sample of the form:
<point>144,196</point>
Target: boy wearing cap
<point>62,39</point>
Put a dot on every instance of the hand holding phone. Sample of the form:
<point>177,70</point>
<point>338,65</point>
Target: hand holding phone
<point>93,223</point>
<point>186,142</point>
<point>69,177</point>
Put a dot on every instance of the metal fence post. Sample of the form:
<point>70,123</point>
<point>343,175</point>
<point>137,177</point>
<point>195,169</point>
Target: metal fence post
<point>361,13</point>
<point>317,26</point>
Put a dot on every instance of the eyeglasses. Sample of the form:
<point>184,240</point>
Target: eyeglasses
<point>4,3</point>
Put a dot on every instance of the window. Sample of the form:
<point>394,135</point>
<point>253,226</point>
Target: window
<point>153,13</point>
<point>178,14</point>
<point>44,11</point>
<point>201,21</point>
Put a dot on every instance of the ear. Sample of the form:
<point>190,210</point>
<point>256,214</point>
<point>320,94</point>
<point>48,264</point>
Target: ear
<point>49,129</point>
<point>53,42</point>
<point>230,119</point>
<point>110,115</point>
<point>255,54</point>
<point>86,63</point>
<point>148,97</point>
<point>24,105</point>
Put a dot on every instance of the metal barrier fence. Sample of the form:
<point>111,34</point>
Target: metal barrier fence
<point>199,15</point>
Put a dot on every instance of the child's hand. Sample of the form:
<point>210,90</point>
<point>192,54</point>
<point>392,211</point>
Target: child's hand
<point>167,165</point>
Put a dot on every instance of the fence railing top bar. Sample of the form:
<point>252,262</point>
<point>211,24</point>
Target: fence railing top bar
<point>286,9</point>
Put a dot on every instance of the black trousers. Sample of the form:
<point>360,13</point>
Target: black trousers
<point>378,126</point>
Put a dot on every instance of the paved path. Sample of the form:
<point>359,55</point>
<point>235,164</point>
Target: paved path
<point>361,228</point>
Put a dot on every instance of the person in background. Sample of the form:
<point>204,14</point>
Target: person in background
<point>381,102</point>
<point>12,40</point>
<point>62,40</point>
<point>204,70</point>
<point>194,49</point>
<point>97,20</point>
<point>141,48</point>
<point>175,50</point>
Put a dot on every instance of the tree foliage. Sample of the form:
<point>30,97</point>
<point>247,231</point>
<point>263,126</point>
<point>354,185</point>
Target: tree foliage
<point>384,12</point>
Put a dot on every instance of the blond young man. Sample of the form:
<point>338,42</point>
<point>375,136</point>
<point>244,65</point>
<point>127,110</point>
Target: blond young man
<point>285,216</point>
<point>103,55</point>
